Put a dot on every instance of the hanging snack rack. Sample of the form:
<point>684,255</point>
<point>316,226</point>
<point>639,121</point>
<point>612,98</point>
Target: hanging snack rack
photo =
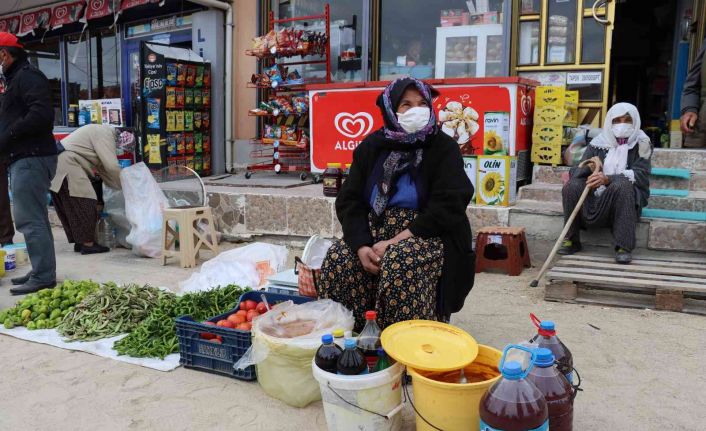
<point>283,144</point>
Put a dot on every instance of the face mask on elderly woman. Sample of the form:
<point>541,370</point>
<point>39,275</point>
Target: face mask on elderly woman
<point>623,130</point>
<point>414,119</point>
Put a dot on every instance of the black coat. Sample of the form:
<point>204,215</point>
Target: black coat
<point>444,194</point>
<point>26,114</point>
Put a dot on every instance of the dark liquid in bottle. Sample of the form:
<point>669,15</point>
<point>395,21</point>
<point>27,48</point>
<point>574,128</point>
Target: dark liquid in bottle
<point>517,406</point>
<point>352,362</point>
<point>565,362</point>
<point>558,394</point>
<point>327,357</point>
<point>369,347</point>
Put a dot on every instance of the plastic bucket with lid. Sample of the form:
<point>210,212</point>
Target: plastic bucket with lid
<point>367,402</point>
<point>434,354</point>
<point>454,406</point>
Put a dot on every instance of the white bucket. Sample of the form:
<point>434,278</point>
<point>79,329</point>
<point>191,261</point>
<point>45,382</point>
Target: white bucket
<point>368,402</point>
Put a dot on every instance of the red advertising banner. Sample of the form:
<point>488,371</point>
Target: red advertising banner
<point>478,117</point>
<point>10,24</point>
<point>127,4</point>
<point>98,9</point>
<point>67,13</point>
<point>35,19</point>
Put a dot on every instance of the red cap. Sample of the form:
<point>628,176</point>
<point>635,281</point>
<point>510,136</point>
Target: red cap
<point>371,315</point>
<point>9,40</point>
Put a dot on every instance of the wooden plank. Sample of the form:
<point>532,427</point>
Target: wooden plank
<point>623,300</point>
<point>560,291</point>
<point>623,282</point>
<point>661,256</point>
<point>635,268</point>
<point>626,274</point>
<point>692,263</point>
<point>669,299</point>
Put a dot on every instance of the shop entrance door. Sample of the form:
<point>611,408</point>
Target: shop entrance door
<point>567,42</point>
<point>131,70</point>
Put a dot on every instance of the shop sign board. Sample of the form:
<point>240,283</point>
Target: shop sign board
<point>341,118</point>
<point>159,25</point>
<point>33,20</point>
<point>98,9</point>
<point>10,24</point>
<point>153,73</point>
<point>67,13</point>
<point>584,77</point>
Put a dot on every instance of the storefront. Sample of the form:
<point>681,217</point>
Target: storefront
<point>89,50</point>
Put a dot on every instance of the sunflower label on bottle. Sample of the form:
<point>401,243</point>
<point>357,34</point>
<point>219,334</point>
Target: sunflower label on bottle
<point>496,133</point>
<point>496,180</point>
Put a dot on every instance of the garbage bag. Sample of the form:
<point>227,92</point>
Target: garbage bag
<point>144,203</point>
<point>284,343</point>
<point>115,208</point>
<point>247,266</point>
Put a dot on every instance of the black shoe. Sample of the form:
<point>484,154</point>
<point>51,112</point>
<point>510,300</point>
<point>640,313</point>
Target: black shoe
<point>31,287</point>
<point>95,248</point>
<point>77,248</point>
<point>623,256</point>
<point>569,247</point>
<point>17,281</point>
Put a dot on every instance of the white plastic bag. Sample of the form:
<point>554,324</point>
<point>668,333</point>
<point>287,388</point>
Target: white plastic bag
<point>247,266</point>
<point>144,203</point>
<point>115,208</point>
<point>315,251</point>
<point>284,343</point>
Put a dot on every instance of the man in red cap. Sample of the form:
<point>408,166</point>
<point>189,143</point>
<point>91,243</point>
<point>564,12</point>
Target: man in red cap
<point>27,143</point>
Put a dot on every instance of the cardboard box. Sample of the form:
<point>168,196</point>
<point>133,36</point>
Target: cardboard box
<point>485,18</point>
<point>470,165</point>
<point>496,180</point>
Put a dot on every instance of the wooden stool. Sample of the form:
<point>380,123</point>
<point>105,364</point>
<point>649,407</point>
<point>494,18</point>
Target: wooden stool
<point>509,245</point>
<point>191,240</point>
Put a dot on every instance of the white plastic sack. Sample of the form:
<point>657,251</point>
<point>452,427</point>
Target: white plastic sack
<point>144,203</point>
<point>115,208</point>
<point>284,343</point>
<point>247,266</point>
<point>315,251</point>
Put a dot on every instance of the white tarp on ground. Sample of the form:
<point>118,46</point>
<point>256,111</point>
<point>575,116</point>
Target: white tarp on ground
<point>102,347</point>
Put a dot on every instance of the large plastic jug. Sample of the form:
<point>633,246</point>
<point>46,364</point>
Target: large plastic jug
<point>556,390</point>
<point>546,337</point>
<point>513,403</point>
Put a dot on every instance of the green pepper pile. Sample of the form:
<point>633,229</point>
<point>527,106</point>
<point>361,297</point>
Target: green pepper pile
<point>46,309</point>
<point>156,336</point>
<point>110,311</point>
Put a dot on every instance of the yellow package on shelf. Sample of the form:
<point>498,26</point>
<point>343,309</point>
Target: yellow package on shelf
<point>571,108</point>
<point>549,115</point>
<point>496,180</point>
<point>550,96</point>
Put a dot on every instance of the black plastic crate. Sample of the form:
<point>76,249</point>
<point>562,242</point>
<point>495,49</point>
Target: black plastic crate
<point>198,353</point>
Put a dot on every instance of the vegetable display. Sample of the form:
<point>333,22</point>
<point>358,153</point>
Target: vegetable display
<point>155,336</point>
<point>46,309</point>
<point>110,311</point>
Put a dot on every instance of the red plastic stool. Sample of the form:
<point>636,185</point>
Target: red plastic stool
<point>502,248</point>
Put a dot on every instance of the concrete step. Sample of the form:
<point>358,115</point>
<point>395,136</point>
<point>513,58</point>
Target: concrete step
<point>544,221</point>
<point>695,201</point>
<point>694,160</point>
<point>697,182</point>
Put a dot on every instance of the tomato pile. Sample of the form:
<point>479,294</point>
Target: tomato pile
<point>240,319</point>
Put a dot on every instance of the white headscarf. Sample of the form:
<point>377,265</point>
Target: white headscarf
<point>616,160</point>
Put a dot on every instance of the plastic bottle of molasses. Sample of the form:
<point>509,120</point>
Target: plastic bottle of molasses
<point>556,390</point>
<point>546,337</point>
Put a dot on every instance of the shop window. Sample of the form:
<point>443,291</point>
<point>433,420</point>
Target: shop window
<point>530,7</point>
<point>592,41</point>
<point>45,56</point>
<point>561,31</point>
<point>529,43</point>
<point>77,69</point>
<point>452,38</point>
<point>105,67</point>
<point>347,31</point>
<point>591,89</point>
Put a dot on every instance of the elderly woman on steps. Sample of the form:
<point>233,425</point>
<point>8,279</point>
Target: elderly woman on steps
<point>620,189</point>
<point>406,249</point>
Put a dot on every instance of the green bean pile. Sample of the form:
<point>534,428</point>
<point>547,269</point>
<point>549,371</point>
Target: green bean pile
<point>110,311</point>
<point>156,335</point>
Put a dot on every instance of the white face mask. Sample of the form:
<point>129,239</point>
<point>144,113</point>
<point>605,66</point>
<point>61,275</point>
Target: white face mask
<point>414,119</point>
<point>623,130</point>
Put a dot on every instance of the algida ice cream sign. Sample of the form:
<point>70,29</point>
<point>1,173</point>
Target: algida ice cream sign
<point>496,182</point>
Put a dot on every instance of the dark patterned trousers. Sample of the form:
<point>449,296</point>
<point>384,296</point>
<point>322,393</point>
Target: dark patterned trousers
<point>404,289</point>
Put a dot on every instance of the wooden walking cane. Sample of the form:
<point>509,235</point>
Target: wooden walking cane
<point>594,167</point>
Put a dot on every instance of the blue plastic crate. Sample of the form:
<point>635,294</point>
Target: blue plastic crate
<point>198,353</point>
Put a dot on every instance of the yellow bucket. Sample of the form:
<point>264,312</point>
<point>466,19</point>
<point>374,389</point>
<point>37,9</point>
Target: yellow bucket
<point>2,262</point>
<point>453,406</point>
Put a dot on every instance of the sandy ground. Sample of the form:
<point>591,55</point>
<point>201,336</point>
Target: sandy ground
<point>642,368</point>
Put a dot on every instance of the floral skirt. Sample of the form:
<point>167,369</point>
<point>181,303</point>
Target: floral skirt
<point>406,286</point>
